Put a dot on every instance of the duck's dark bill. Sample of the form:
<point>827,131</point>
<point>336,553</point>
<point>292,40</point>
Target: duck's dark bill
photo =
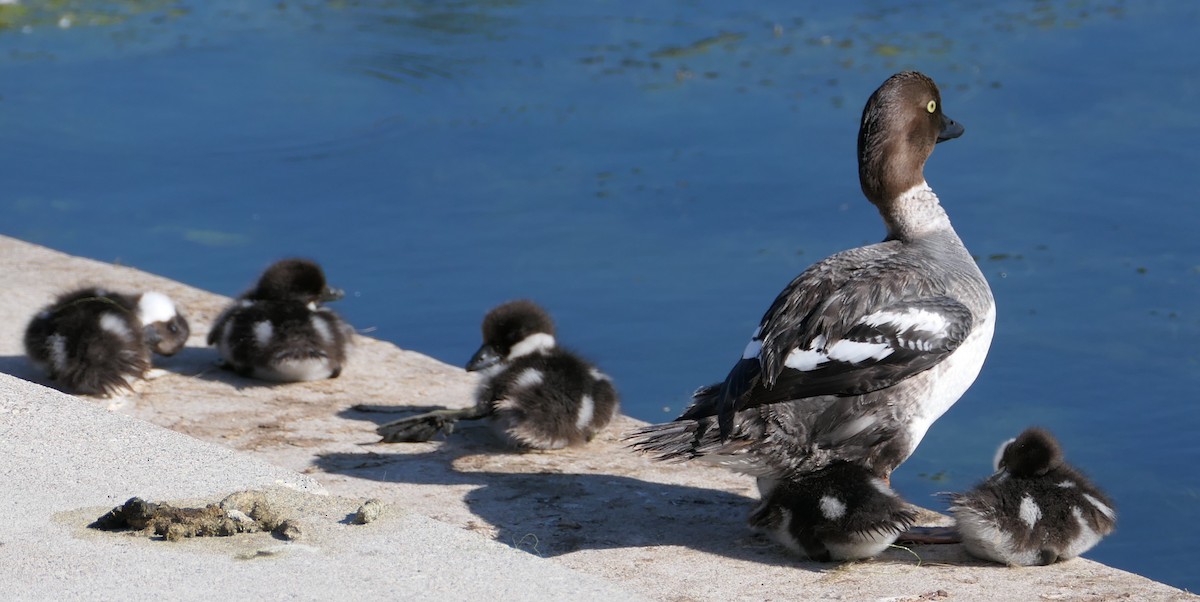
<point>485,357</point>
<point>332,294</point>
<point>950,129</point>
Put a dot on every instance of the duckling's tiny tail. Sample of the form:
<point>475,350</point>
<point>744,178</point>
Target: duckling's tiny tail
<point>105,371</point>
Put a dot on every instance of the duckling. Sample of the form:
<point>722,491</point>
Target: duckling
<point>536,394</point>
<point>279,331</point>
<point>98,342</point>
<point>1036,509</point>
<point>840,512</point>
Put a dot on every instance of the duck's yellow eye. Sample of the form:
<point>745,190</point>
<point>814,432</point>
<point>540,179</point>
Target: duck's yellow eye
<point>932,106</point>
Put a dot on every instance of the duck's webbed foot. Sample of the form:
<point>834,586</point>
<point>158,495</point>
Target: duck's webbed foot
<point>423,427</point>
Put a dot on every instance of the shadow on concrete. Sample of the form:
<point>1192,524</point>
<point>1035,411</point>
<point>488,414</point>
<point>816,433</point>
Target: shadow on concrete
<point>203,363</point>
<point>554,513</point>
<point>193,362</point>
<point>20,367</point>
<point>381,414</point>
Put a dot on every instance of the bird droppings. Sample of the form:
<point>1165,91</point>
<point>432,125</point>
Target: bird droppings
<point>288,529</point>
<point>368,512</point>
<point>241,512</point>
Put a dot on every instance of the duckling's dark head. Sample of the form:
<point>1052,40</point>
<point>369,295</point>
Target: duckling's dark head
<point>1033,453</point>
<point>901,123</point>
<point>165,327</point>
<point>512,330</point>
<point>294,280</point>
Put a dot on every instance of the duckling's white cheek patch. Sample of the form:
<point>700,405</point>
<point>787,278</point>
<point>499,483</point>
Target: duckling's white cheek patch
<point>155,307</point>
<point>598,375</point>
<point>999,455</point>
<point>263,332</point>
<point>113,323</point>
<point>531,344</point>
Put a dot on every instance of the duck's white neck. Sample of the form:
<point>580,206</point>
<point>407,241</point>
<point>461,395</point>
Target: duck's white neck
<point>914,213</point>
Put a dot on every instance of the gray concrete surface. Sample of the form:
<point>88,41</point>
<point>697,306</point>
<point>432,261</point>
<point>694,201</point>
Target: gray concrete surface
<point>529,526</point>
<point>66,462</point>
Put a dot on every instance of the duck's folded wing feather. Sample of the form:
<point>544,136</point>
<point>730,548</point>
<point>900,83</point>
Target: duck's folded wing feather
<point>878,350</point>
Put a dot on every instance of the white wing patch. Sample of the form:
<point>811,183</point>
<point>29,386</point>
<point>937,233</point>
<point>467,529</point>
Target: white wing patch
<point>587,407</point>
<point>530,377</point>
<point>850,352</point>
<point>322,328</point>
<point>910,319</point>
<point>808,359</point>
<point>805,359</point>
<point>262,333</point>
<point>1101,506</point>
<point>832,508</point>
<point>114,324</point>
<point>58,352</point>
<point>854,352</point>
<point>1029,511</point>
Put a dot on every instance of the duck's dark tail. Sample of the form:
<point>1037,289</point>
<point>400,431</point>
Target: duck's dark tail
<point>692,435</point>
<point>423,427</point>
<point>669,442</point>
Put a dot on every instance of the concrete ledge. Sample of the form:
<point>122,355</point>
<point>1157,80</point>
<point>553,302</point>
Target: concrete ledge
<point>67,462</point>
<point>598,522</point>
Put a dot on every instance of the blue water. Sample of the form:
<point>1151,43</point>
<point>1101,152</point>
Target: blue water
<point>654,173</point>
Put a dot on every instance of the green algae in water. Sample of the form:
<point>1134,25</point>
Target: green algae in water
<point>75,13</point>
<point>698,47</point>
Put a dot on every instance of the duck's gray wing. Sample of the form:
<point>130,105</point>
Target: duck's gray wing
<point>843,327</point>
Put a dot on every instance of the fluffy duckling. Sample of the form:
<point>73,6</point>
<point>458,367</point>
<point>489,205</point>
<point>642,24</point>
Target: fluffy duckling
<point>841,512</point>
<point>279,331</point>
<point>98,342</point>
<point>536,394</point>
<point>1036,509</point>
